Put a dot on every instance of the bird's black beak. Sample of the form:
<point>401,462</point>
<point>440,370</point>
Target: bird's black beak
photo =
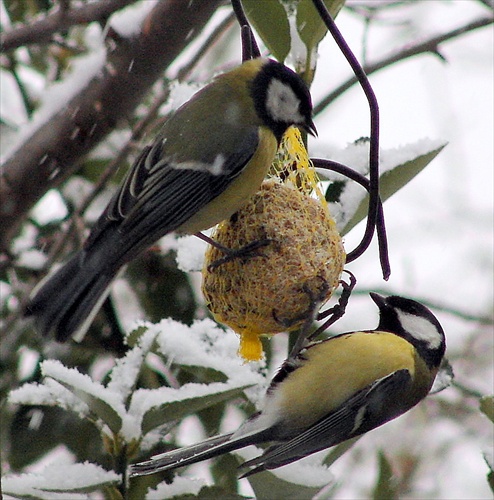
<point>310,128</point>
<point>378,299</point>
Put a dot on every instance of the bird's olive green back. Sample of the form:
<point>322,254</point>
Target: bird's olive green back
<point>201,149</point>
<point>215,119</point>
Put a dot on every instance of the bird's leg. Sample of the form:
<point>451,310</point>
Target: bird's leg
<point>338,310</point>
<point>247,251</point>
<point>315,302</point>
<point>309,317</point>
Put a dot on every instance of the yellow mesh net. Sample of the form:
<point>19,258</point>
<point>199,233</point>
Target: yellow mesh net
<point>274,289</point>
<point>292,166</point>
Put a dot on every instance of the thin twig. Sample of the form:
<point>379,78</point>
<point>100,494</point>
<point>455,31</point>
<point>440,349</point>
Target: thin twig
<point>430,46</point>
<point>217,33</point>
<point>59,19</point>
<point>437,306</point>
<point>488,3</point>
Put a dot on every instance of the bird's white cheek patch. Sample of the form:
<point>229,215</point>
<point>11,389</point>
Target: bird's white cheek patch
<point>420,328</point>
<point>282,103</point>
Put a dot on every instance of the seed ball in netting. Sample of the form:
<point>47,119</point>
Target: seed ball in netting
<point>274,288</point>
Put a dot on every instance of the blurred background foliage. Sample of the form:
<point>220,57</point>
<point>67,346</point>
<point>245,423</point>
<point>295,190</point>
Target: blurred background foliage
<point>152,286</point>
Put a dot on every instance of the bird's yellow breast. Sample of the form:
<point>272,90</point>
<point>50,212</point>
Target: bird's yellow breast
<point>240,190</point>
<point>336,369</point>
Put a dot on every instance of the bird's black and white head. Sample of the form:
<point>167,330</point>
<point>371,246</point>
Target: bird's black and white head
<point>282,99</point>
<point>415,323</point>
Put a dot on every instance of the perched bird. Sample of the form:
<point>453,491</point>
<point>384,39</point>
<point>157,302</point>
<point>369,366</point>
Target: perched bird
<point>332,391</point>
<point>209,158</point>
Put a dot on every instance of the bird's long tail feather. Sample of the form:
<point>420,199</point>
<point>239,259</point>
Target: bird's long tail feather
<point>210,448</point>
<point>67,301</point>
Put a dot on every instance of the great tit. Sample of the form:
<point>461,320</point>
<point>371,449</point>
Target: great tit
<point>333,390</point>
<point>209,158</point>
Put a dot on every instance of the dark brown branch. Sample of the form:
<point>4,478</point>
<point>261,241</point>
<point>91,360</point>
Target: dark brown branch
<point>429,46</point>
<point>60,19</point>
<point>51,154</point>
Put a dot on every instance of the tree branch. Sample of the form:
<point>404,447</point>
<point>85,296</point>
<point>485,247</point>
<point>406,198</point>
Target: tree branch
<point>463,314</point>
<point>430,46</point>
<point>51,153</point>
<point>60,19</point>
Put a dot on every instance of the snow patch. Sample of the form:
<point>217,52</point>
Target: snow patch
<point>190,252</point>
<point>56,97</point>
<point>55,482</point>
<point>128,22</point>
<point>179,487</point>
